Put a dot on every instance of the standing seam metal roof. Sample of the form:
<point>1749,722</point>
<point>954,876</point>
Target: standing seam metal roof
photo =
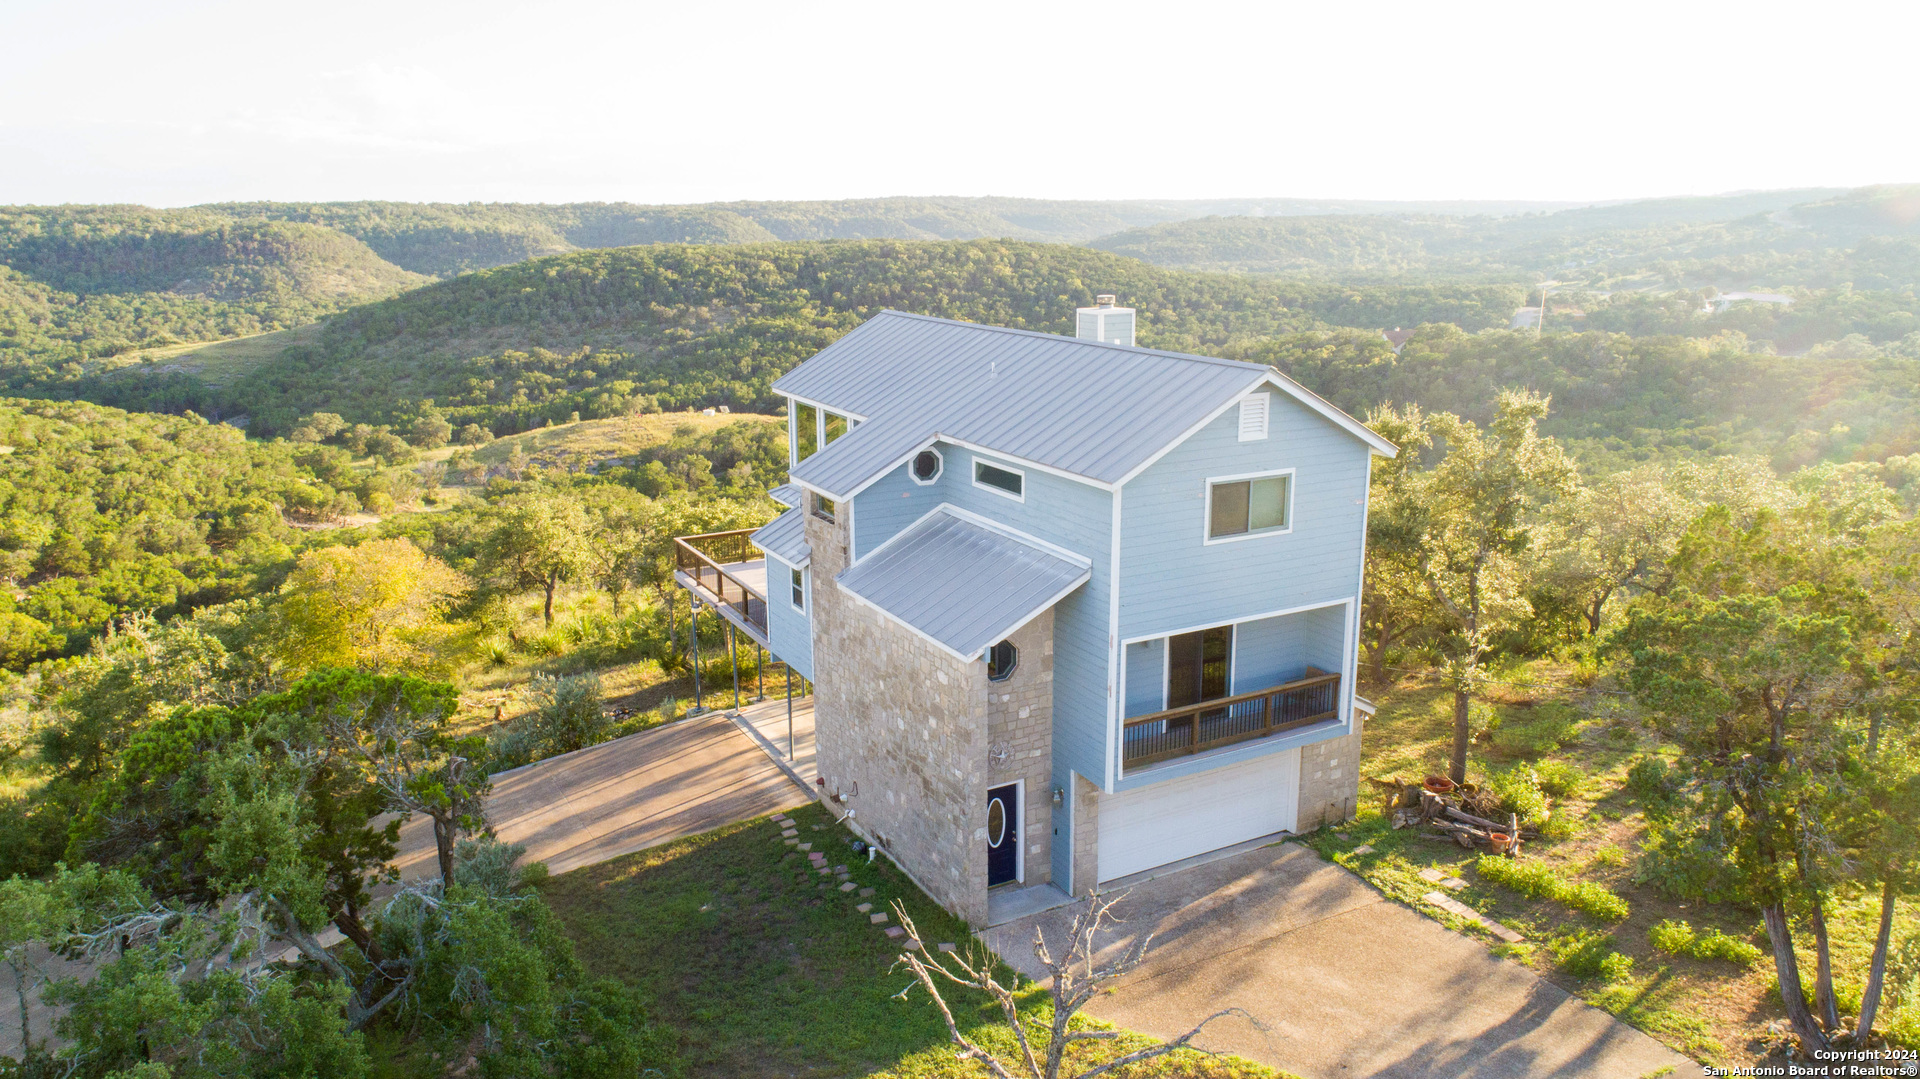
<point>785,538</point>
<point>962,584</point>
<point>1083,407</point>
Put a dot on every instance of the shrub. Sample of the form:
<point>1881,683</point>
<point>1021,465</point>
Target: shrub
<point>1537,881</point>
<point>567,714</point>
<point>1559,778</point>
<point>1587,954</point>
<point>1654,785</point>
<point>1679,938</point>
<point>1518,789</point>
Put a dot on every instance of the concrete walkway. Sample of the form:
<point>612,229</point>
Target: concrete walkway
<point>1347,982</point>
<point>622,796</point>
<point>789,742</point>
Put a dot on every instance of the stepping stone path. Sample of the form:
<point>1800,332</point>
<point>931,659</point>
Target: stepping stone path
<point>1434,876</point>
<point>847,887</point>
<point>793,842</point>
<point>788,833</point>
<point>895,931</point>
<point>865,892</point>
<point>1455,907</point>
<point>864,907</point>
<point>877,918</point>
<point>807,847</point>
<point>1364,848</point>
<point>946,947</point>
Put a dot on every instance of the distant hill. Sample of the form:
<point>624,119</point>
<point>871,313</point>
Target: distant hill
<point>81,287</point>
<point>1808,238</point>
<point>448,238</point>
<point>672,326</point>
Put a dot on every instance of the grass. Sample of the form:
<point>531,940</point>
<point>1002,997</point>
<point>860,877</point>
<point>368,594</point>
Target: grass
<point>1705,1004</point>
<point>600,440</point>
<point>221,362</point>
<point>766,968</point>
<point>1537,881</point>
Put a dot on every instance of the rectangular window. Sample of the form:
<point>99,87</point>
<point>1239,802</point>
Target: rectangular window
<point>1007,481</point>
<point>806,432</point>
<point>823,508</point>
<point>834,425</point>
<point>799,591</point>
<point>1249,507</point>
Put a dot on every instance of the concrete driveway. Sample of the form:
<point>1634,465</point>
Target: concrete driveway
<point>1347,982</point>
<point>621,796</point>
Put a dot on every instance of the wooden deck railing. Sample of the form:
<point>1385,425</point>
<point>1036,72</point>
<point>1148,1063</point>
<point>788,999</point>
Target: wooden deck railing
<point>705,558</point>
<point>1194,728</point>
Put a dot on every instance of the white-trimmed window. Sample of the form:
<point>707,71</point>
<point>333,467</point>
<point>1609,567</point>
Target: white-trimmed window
<point>926,466</point>
<point>1000,479</point>
<point>822,506</point>
<point>1253,416</point>
<point>799,590</point>
<point>1242,507</point>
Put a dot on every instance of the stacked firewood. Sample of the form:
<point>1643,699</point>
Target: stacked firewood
<point>1458,813</point>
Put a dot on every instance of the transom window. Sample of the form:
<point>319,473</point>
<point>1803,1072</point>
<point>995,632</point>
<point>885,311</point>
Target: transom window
<point>799,590</point>
<point>1007,481</point>
<point>1238,508</point>
<point>1002,658</point>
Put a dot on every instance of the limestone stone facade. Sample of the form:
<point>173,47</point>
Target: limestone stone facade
<point>900,730</point>
<point>1330,780</point>
<point>1020,740</point>
<point>1086,834</point>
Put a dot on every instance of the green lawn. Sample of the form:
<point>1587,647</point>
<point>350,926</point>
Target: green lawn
<point>766,967</point>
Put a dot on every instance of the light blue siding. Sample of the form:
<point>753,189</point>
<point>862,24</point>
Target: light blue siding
<point>1269,651</point>
<point>1146,673</point>
<point>789,631</point>
<point>1172,581</point>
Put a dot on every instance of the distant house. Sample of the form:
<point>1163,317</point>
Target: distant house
<point>1524,318</point>
<point>1397,337</point>
<point>1073,610</point>
<point>1720,303</point>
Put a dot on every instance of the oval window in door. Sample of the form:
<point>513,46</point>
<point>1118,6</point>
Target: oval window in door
<point>996,822</point>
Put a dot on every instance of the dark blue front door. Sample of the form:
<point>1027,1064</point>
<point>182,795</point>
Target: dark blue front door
<point>1003,835</point>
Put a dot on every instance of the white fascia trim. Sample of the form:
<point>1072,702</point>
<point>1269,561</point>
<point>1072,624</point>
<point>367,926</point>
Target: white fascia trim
<point>1237,621</point>
<point>1196,429</point>
<point>1085,576</point>
<point>1115,653</point>
<point>1325,408</point>
<point>823,406</point>
<point>1208,539</point>
<point>990,525</point>
<point>771,557</point>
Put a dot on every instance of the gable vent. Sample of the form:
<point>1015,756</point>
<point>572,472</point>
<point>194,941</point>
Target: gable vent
<point>1253,417</point>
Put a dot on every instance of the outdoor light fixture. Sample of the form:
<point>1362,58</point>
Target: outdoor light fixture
<point>1059,797</point>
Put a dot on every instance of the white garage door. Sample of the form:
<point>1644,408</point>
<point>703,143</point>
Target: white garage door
<point>1195,814</point>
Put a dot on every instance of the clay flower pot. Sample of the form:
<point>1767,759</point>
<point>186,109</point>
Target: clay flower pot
<point>1439,784</point>
<point>1499,841</point>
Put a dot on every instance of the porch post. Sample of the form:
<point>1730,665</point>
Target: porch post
<point>693,631</point>
<point>733,656</point>
<point>760,671</point>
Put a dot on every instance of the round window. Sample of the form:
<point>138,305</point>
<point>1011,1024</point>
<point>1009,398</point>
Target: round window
<point>926,466</point>
<point>996,822</point>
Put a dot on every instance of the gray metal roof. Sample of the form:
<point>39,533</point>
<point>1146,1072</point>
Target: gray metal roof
<point>1091,409</point>
<point>785,538</point>
<point>960,583</point>
<point>787,494</point>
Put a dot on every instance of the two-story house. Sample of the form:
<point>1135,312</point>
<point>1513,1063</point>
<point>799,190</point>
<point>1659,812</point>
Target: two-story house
<point>1073,609</point>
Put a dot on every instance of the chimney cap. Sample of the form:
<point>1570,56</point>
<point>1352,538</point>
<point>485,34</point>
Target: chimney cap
<point>1105,299</point>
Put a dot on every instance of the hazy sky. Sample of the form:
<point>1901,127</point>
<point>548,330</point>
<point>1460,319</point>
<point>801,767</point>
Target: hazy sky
<point>170,103</point>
